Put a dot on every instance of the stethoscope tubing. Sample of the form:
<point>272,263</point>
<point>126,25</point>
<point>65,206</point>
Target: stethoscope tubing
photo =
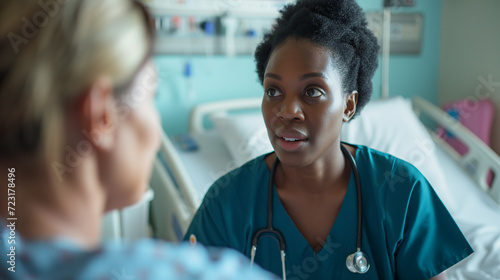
<point>354,169</point>
<point>269,228</point>
<point>277,233</point>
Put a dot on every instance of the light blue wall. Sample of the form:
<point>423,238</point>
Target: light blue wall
<point>218,77</point>
<point>214,78</point>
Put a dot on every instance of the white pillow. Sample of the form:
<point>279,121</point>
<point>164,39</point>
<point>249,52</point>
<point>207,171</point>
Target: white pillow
<point>244,135</point>
<point>390,126</point>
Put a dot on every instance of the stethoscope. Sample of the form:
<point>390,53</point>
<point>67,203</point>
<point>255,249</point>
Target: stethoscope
<point>356,262</point>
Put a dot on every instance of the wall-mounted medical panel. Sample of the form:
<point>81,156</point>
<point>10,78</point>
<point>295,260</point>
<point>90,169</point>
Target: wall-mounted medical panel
<point>235,27</point>
<point>231,27</point>
<point>406,31</point>
<point>209,35</point>
<point>400,3</point>
<point>234,8</point>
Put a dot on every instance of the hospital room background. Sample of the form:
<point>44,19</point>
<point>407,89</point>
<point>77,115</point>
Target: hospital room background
<point>442,52</point>
<point>459,45</point>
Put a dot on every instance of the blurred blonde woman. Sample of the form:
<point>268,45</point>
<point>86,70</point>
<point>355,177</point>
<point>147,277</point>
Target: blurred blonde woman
<point>78,135</point>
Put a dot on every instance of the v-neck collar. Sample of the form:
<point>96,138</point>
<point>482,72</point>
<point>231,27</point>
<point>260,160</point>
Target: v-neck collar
<point>293,236</point>
<point>337,235</point>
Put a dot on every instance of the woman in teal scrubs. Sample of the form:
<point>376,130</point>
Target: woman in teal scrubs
<point>316,67</point>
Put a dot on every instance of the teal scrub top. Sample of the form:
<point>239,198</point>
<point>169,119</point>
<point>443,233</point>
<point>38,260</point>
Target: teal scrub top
<point>407,232</point>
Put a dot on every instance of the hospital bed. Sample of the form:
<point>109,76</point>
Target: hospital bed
<point>229,133</point>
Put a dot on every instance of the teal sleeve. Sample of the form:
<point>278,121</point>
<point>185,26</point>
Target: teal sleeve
<point>208,224</point>
<point>432,241</point>
<point>225,215</point>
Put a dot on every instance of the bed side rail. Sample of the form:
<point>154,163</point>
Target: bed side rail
<point>200,111</point>
<point>169,212</point>
<point>478,161</point>
<point>179,173</point>
<point>176,200</point>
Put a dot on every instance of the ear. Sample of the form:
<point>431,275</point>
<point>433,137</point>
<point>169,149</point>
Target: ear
<point>97,113</point>
<point>351,101</point>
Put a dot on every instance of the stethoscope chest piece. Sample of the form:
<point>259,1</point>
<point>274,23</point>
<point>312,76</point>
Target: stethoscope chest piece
<point>357,262</point>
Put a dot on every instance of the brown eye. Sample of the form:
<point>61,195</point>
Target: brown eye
<point>272,92</point>
<point>314,92</point>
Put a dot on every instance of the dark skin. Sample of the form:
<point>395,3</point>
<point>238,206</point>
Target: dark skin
<point>304,106</point>
<point>304,99</point>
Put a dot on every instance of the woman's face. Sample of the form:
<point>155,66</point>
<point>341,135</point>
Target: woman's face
<point>137,140</point>
<point>303,104</point>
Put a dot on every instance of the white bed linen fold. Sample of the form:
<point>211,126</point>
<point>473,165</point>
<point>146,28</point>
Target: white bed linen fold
<point>479,219</point>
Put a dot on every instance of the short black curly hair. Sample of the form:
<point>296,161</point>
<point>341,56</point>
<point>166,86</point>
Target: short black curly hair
<point>340,26</point>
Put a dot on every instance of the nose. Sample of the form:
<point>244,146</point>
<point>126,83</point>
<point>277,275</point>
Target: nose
<point>290,109</point>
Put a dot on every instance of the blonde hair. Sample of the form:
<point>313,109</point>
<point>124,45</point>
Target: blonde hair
<point>52,50</point>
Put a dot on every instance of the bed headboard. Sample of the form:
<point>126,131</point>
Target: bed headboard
<point>199,112</point>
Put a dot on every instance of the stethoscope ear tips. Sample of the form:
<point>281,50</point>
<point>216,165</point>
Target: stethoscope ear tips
<point>357,262</point>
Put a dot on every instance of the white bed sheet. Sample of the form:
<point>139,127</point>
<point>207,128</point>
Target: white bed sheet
<point>484,264</point>
<point>476,207</point>
<point>205,165</point>
<point>478,216</point>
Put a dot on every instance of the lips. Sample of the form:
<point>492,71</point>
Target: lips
<point>291,140</point>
